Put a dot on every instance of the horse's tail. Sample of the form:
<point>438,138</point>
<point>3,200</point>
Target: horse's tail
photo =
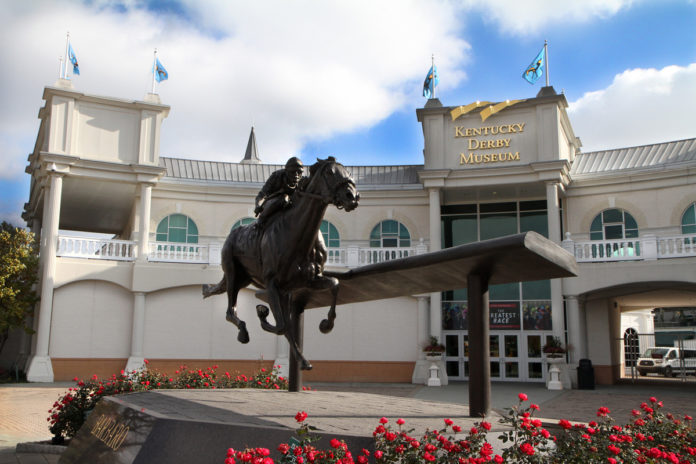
<point>215,289</point>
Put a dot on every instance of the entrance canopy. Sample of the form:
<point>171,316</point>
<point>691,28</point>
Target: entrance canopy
<point>515,258</point>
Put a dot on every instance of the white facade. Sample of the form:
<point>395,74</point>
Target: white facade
<point>489,169</point>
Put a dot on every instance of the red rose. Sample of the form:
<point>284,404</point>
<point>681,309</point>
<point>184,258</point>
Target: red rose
<point>383,420</point>
<point>379,454</point>
<point>527,449</point>
<point>448,422</point>
<point>486,425</point>
<point>300,416</point>
<point>335,443</point>
<point>401,421</point>
<point>522,397</point>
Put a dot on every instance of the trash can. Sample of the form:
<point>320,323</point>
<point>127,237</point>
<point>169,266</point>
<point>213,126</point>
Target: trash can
<point>585,375</point>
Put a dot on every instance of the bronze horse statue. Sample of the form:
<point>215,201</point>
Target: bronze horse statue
<point>286,256</point>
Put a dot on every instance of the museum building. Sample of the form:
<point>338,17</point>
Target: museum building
<point>490,169</point>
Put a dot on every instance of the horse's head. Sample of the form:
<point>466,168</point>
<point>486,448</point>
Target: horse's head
<point>332,181</point>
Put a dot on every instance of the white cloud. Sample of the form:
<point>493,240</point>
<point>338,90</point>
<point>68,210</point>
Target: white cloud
<point>641,106</point>
<point>530,16</point>
<point>296,71</point>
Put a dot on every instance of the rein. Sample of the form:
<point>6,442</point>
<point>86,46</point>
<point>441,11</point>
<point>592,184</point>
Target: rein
<point>327,199</point>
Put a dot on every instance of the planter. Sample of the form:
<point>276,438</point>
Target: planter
<point>434,356</point>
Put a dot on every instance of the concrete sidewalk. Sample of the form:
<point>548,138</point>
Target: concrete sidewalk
<point>24,407</point>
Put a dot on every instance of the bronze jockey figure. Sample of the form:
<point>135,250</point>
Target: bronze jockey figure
<point>278,190</point>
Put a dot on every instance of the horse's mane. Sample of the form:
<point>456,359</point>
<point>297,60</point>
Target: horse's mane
<point>313,170</point>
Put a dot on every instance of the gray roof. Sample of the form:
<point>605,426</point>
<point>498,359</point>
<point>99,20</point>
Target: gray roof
<point>635,158</point>
<point>258,173</point>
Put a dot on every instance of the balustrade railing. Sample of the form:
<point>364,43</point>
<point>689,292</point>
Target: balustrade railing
<point>94,248</point>
<point>648,247</point>
<point>172,252</point>
<point>379,255</point>
<point>676,246</point>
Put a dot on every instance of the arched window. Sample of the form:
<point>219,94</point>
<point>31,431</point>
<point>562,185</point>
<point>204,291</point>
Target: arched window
<point>243,222</point>
<point>613,224</point>
<point>177,228</point>
<point>390,234</point>
<point>688,222</point>
<point>330,234</point>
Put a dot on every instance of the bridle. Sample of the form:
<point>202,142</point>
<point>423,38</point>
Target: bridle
<point>326,199</point>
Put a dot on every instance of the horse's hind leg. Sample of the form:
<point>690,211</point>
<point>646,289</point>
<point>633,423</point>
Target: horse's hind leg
<point>294,334</point>
<point>233,287</point>
<point>278,302</point>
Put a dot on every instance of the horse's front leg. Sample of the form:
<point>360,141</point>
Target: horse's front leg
<point>322,283</point>
<point>278,301</point>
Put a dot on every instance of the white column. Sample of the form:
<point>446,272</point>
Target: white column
<point>575,316</point>
<point>554,218</point>
<point>144,235</point>
<point>554,225</point>
<point>136,360</point>
<point>39,367</point>
<point>435,245</point>
<point>423,324</point>
<point>282,358</point>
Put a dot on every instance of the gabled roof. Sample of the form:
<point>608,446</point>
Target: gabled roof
<point>635,158</point>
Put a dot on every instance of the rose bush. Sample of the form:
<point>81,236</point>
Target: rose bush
<point>651,437</point>
<point>70,411</point>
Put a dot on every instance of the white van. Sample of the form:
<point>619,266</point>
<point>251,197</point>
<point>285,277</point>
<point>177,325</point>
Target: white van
<point>667,361</point>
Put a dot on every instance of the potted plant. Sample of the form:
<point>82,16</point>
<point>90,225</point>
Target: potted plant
<point>554,349</point>
<point>434,349</point>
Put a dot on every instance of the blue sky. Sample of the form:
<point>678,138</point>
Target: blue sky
<point>345,78</point>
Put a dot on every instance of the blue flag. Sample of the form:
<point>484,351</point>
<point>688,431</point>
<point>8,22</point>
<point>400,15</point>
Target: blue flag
<point>73,60</point>
<point>535,69</point>
<point>431,80</point>
<point>161,74</point>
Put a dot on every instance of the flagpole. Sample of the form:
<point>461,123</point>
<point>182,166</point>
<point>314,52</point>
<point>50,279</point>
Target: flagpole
<point>154,70</point>
<point>546,61</point>
<point>432,79</point>
<point>67,43</point>
<point>60,67</point>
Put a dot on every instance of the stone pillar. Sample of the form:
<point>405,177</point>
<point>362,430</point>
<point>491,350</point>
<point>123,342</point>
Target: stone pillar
<point>553,211</point>
<point>144,234</point>
<point>136,360</point>
<point>282,358</point>
<point>554,225</point>
<point>575,316</point>
<point>423,324</point>
<point>39,367</point>
<point>435,245</point>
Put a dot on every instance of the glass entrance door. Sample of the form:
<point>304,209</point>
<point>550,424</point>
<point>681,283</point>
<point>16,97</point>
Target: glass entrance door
<point>457,355</point>
<point>505,356</point>
<point>535,365</point>
<point>514,356</point>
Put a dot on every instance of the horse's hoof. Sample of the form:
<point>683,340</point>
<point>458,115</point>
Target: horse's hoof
<point>205,289</point>
<point>262,311</point>
<point>306,366</point>
<point>243,336</point>
<point>326,326</point>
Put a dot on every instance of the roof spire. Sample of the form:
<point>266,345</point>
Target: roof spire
<point>252,155</point>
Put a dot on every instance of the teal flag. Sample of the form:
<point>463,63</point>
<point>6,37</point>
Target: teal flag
<point>73,60</point>
<point>161,74</point>
<point>535,69</point>
<point>431,80</point>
